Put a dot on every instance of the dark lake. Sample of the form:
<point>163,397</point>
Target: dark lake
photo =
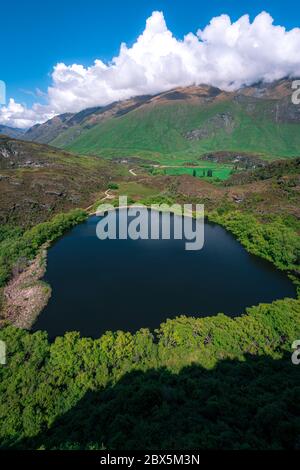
<point>99,285</point>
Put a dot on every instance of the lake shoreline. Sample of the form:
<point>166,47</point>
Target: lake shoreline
<point>26,295</point>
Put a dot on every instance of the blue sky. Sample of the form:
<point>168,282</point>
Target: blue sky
<point>34,38</point>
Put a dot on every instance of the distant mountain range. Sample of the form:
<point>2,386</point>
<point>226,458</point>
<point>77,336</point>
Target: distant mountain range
<point>184,122</point>
<point>11,131</point>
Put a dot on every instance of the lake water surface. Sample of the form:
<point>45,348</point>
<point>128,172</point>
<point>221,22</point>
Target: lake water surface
<point>126,285</point>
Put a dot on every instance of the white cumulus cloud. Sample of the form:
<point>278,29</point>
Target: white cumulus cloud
<point>18,115</point>
<point>225,54</point>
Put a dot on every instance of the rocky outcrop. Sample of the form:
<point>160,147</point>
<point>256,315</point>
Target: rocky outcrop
<point>222,121</point>
<point>14,154</point>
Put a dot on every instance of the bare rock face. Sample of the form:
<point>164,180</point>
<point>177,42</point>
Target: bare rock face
<point>214,124</point>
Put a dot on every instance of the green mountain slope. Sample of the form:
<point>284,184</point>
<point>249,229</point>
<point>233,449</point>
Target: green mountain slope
<point>184,124</point>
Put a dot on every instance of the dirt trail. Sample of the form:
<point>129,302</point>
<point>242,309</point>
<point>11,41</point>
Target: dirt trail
<point>108,195</point>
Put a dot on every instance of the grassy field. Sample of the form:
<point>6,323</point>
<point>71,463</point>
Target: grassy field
<point>135,190</point>
<point>221,172</point>
<point>159,133</point>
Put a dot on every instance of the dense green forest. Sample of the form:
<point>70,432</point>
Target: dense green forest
<point>210,382</point>
<point>276,240</point>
